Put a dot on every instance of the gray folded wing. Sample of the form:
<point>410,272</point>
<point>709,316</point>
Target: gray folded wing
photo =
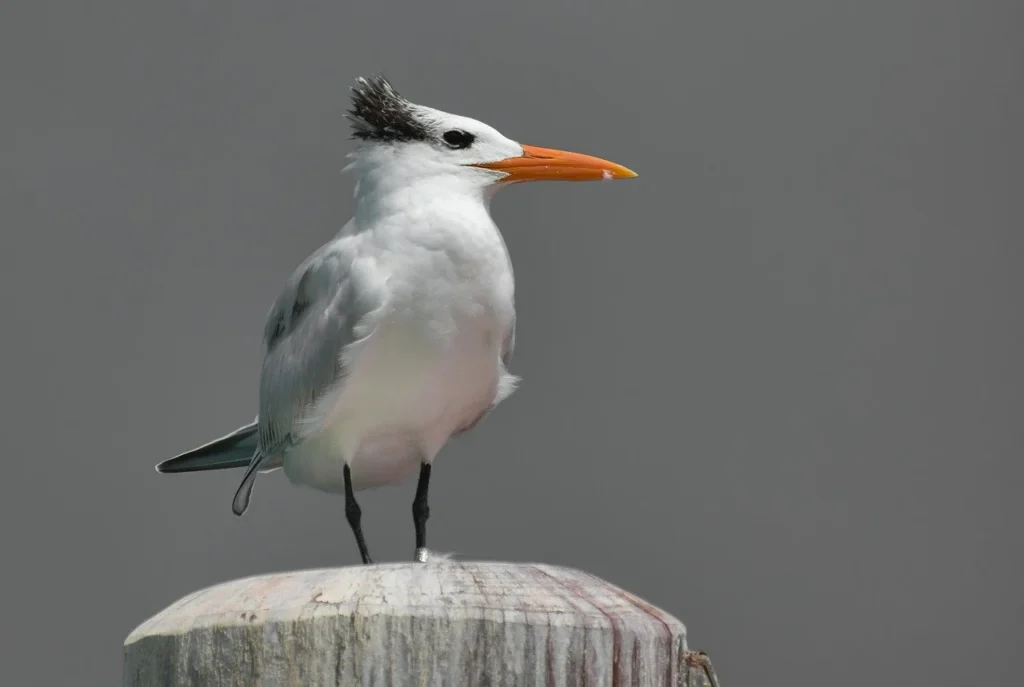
<point>328,309</point>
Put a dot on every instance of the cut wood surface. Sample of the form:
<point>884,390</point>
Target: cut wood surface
<point>443,623</point>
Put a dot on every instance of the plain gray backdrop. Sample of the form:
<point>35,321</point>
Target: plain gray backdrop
<point>773,385</point>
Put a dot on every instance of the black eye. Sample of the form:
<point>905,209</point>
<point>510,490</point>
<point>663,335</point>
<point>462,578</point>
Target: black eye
<point>459,139</point>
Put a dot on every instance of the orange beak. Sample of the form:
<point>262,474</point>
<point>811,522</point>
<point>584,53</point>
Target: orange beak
<point>547,164</point>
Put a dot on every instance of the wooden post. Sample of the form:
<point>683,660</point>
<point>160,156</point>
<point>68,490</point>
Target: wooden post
<point>439,623</point>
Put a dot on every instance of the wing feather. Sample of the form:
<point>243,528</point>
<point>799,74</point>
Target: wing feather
<point>509,344</point>
<point>328,309</point>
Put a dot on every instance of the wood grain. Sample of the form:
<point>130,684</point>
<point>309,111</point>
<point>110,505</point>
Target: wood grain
<point>444,623</point>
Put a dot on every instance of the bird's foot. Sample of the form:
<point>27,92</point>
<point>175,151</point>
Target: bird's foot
<point>422,555</point>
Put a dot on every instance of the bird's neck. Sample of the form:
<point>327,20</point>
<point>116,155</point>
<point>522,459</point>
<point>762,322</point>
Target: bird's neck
<point>427,198</point>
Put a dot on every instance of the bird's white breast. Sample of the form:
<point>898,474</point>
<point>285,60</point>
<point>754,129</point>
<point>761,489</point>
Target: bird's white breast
<point>432,366</point>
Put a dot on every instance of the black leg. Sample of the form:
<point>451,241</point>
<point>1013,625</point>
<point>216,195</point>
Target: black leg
<point>354,515</point>
<point>420,512</point>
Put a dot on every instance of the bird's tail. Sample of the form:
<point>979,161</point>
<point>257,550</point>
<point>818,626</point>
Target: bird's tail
<point>240,503</point>
<point>235,450</point>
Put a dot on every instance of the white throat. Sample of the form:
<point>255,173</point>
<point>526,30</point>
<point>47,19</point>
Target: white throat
<point>429,196</point>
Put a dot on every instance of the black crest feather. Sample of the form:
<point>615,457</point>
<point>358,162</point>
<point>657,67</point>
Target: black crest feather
<point>380,113</point>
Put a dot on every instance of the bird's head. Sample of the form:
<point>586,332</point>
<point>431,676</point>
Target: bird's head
<point>405,143</point>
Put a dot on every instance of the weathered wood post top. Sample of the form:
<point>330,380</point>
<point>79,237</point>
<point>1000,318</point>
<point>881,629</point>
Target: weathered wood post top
<point>439,623</point>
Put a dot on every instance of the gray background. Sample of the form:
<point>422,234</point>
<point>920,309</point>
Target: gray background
<point>773,385</point>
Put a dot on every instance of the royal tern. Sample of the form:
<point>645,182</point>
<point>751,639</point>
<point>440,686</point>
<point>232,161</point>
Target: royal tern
<point>396,334</point>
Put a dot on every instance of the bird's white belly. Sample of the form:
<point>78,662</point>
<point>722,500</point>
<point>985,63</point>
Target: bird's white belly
<point>410,389</point>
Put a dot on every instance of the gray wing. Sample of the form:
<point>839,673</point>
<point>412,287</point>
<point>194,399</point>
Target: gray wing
<point>509,344</point>
<point>329,307</point>
<point>327,310</point>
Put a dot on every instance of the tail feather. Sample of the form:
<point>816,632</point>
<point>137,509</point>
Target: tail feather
<point>240,503</point>
<point>232,451</point>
